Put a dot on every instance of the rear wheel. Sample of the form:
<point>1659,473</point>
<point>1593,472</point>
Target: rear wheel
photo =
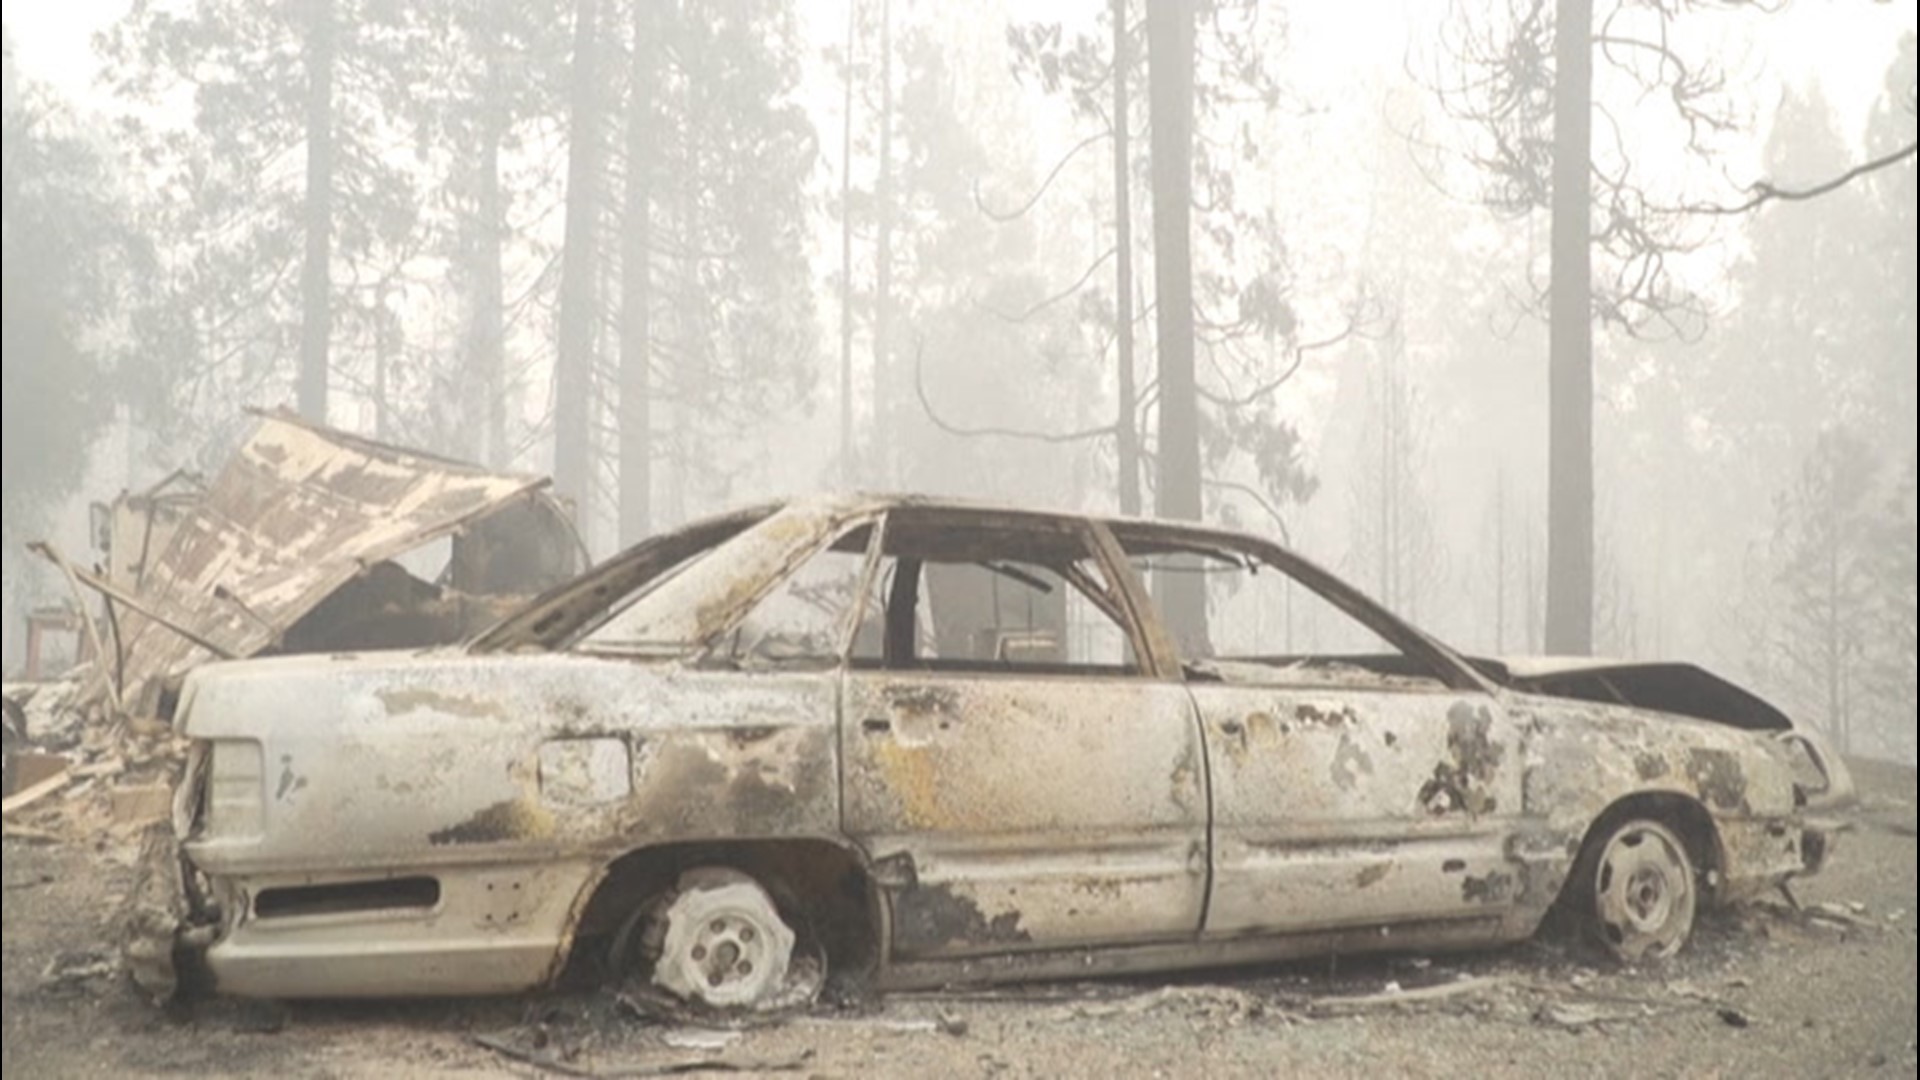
<point>1640,889</point>
<point>718,940</point>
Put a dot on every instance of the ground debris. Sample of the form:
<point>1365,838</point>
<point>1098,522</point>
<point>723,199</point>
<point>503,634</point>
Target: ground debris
<point>1846,914</point>
<point>1393,996</point>
<point>1226,1004</point>
<point>29,881</point>
<point>560,1063</point>
<point>1733,1017</point>
<point>1578,1004</point>
<point>699,1038</point>
<point>28,832</point>
<point>1827,917</point>
<point>1579,1015</point>
<point>918,1025</point>
<point>27,796</point>
<point>76,971</point>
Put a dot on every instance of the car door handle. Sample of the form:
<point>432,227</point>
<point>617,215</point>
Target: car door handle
<point>1230,727</point>
<point>874,725</point>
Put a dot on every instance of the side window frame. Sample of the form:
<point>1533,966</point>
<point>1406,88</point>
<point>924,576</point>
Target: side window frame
<point>1449,672</point>
<point>1119,597</point>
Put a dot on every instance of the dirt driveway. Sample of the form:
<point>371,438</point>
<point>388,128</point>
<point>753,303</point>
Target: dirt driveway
<point>1764,992</point>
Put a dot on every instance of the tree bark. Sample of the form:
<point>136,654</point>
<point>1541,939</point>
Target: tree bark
<point>636,296</point>
<point>382,366</point>
<point>1126,434</point>
<point>1837,719</point>
<point>1500,565</point>
<point>1387,462</point>
<point>1170,104</point>
<point>484,391</point>
<point>487,355</point>
<point>316,278</point>
<point>1569,616</point>
<point>573,366</point>
<point>846,254</point>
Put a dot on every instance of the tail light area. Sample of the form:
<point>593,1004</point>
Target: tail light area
<point>222,796</point>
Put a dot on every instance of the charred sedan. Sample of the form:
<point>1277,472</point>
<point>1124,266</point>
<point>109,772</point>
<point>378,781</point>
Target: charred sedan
<point>921,742</point>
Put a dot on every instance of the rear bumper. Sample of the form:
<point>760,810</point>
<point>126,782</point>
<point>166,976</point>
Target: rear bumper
<point>161,932</point>
<point>489,930</point>
<point>289,966</point>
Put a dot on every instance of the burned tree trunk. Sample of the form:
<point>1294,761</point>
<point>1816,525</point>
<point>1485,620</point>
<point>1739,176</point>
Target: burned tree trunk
<point>573,366</point>
<point>636,296</point>
<point>483,408</point>
<point>1126,435</point>
<point>316,278</point>
<point>487,344</point>
<point>1177,493</point>
<point>1569,617</point>
<point>846,255</point>
<point>886,452</point>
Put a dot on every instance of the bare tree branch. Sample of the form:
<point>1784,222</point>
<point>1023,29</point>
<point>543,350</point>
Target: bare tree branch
<point>1259,500</point>
<point>1042,305</point>
<point>1765,191</point>
<point>1354,327</point>
<point>1008,215</point>
<point>926,406</point>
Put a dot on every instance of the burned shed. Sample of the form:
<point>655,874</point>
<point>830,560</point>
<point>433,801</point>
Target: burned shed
<point>314,540</point>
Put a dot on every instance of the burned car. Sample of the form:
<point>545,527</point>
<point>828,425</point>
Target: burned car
<point>920,742</point>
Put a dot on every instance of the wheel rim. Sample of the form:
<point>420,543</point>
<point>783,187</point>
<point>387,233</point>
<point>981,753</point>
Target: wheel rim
<point>725,943</point>
<point>1644,892</point>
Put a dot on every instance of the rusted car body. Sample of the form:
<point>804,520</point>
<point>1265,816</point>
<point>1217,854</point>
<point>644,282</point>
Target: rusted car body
<point>954,743</point>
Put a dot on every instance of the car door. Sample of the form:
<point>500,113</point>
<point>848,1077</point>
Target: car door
<point>1022,775</point>
<point>1353,784</point>
<point>1354,807</point>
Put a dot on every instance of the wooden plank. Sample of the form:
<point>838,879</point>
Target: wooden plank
<point>26,797</point>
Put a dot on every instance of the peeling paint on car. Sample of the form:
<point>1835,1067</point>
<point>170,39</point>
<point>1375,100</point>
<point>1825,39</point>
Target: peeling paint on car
<point>1718,775</point>
<point>1494,888</point>
<point>930,919</point>
<point>509,819</point>
<point>1461,783</point>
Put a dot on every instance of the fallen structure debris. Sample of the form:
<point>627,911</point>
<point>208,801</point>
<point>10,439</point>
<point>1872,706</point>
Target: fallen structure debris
<point>308,540</point>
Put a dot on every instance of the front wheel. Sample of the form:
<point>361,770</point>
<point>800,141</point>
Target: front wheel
<point>1641,890</point>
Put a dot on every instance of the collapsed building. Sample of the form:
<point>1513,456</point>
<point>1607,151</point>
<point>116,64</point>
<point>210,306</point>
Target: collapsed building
<point>309,540</point>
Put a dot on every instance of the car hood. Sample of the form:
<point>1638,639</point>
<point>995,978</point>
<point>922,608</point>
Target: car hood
<point>1685,692</point>
<point>1659,686</point>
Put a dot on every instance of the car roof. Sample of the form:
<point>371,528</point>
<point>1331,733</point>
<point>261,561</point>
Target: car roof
<point>1121,524</point>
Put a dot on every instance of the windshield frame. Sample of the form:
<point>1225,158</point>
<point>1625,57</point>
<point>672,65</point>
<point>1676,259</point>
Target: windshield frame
<point>555,618</point>
<point>686,608</point>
